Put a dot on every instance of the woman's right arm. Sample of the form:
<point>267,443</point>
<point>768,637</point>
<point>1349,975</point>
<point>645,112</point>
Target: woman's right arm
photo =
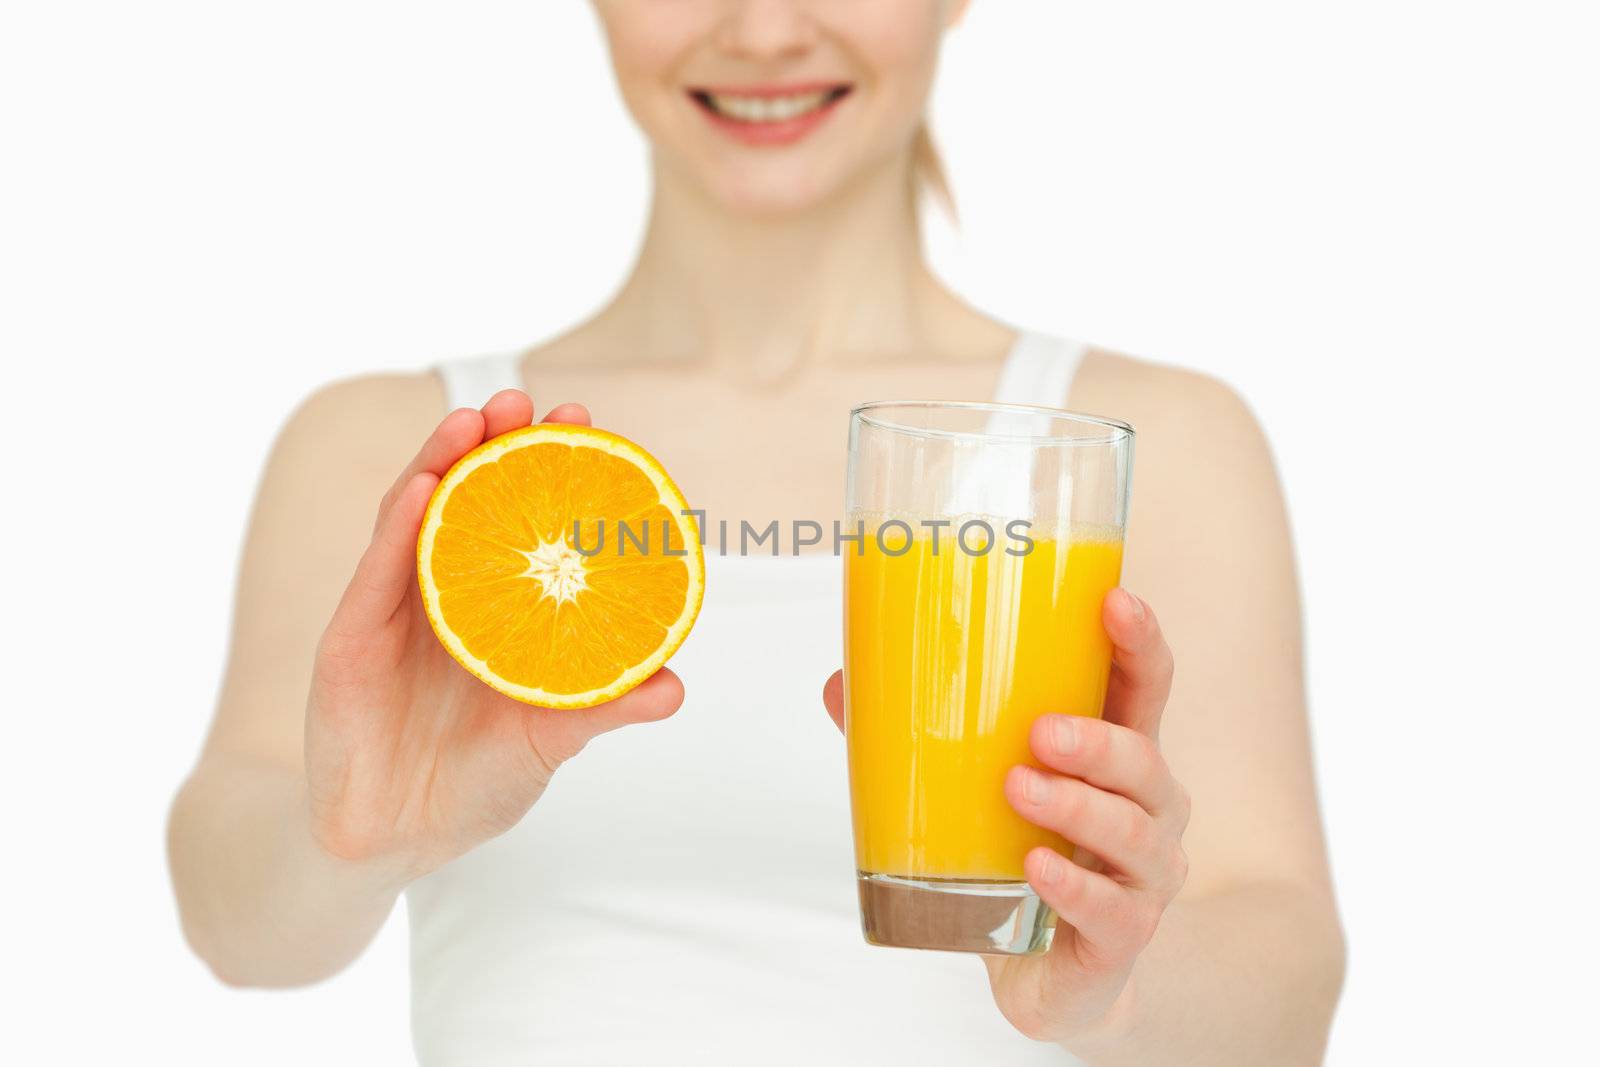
<point>350,754</point>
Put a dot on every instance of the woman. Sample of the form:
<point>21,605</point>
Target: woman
<point>682,891</point>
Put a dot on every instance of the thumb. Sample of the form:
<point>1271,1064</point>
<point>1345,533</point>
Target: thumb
<point>1141,664</point>
<point>388,569</point>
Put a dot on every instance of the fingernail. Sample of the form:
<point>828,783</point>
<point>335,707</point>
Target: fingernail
<point>1063,734</point>
<point>1136,605</point>
<point>1050,868</point>
<point>1034,787</point>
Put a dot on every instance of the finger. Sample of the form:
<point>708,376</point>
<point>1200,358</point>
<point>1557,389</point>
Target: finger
<point>1113,922</point>
<point>652,700</point>
<point>1122,834</point>
<point>388,568</point>
<point>1141,664</point>
<point>509,409</point>
<point>574,414</point>
<point>1109,756</point>
<point>833,698</point>
<point>560,733</point>
<point>457,434</point>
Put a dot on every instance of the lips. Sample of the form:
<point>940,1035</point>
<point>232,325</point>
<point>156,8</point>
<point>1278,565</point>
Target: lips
<point>766,115</point>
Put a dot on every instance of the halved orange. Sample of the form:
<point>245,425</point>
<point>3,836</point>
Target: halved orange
<point>560,565</point>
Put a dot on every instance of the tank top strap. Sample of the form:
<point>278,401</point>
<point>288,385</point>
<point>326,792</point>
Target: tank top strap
<point>998,480</point>
<point>1039,371</point>
<point>471,381</point>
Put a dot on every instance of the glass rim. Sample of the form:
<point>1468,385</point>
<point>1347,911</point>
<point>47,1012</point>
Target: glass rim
<point>1118,431</point>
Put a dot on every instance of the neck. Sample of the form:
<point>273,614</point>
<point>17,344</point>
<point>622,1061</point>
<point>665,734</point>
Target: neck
<point>765,296</point>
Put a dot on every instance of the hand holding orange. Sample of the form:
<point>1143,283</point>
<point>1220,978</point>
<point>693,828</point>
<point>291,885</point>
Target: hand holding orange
<point>409,760</point>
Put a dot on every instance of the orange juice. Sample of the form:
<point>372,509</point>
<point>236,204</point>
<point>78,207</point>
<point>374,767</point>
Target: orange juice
<point>949,658</point>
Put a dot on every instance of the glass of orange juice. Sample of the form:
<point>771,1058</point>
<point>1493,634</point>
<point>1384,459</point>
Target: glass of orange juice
<point>981,540</point>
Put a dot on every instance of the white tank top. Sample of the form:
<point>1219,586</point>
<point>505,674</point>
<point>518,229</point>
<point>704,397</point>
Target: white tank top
<point>684,892</point>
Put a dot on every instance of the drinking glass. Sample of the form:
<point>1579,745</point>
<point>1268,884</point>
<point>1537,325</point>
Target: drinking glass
<point>980,542</point>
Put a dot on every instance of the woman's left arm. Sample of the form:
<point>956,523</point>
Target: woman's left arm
<point>1145,969</point>
<point>1198,924</point>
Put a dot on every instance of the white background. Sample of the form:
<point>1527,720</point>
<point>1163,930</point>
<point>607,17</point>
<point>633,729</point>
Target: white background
<point>1376,218</point>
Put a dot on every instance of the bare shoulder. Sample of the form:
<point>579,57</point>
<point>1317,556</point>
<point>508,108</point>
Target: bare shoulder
<point>1185,420</point>
<point>335,457</point>
<point>1204,476</point>
<point>1162,402</point>
<point>337,454</point>
<point>363,418</point>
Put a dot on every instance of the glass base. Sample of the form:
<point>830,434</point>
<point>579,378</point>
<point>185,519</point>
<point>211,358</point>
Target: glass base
<point>954,915</point>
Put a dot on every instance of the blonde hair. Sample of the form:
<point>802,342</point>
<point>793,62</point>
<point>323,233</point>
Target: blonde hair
<point>927,170</point>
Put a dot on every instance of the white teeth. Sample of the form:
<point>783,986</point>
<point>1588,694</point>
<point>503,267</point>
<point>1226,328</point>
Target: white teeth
<point>766,108</point>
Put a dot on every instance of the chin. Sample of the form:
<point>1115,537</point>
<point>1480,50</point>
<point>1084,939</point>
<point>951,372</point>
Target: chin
<point>775,187</point>
<point>766,196</point>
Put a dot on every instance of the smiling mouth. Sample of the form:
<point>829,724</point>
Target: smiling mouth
<point>767,108</point>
